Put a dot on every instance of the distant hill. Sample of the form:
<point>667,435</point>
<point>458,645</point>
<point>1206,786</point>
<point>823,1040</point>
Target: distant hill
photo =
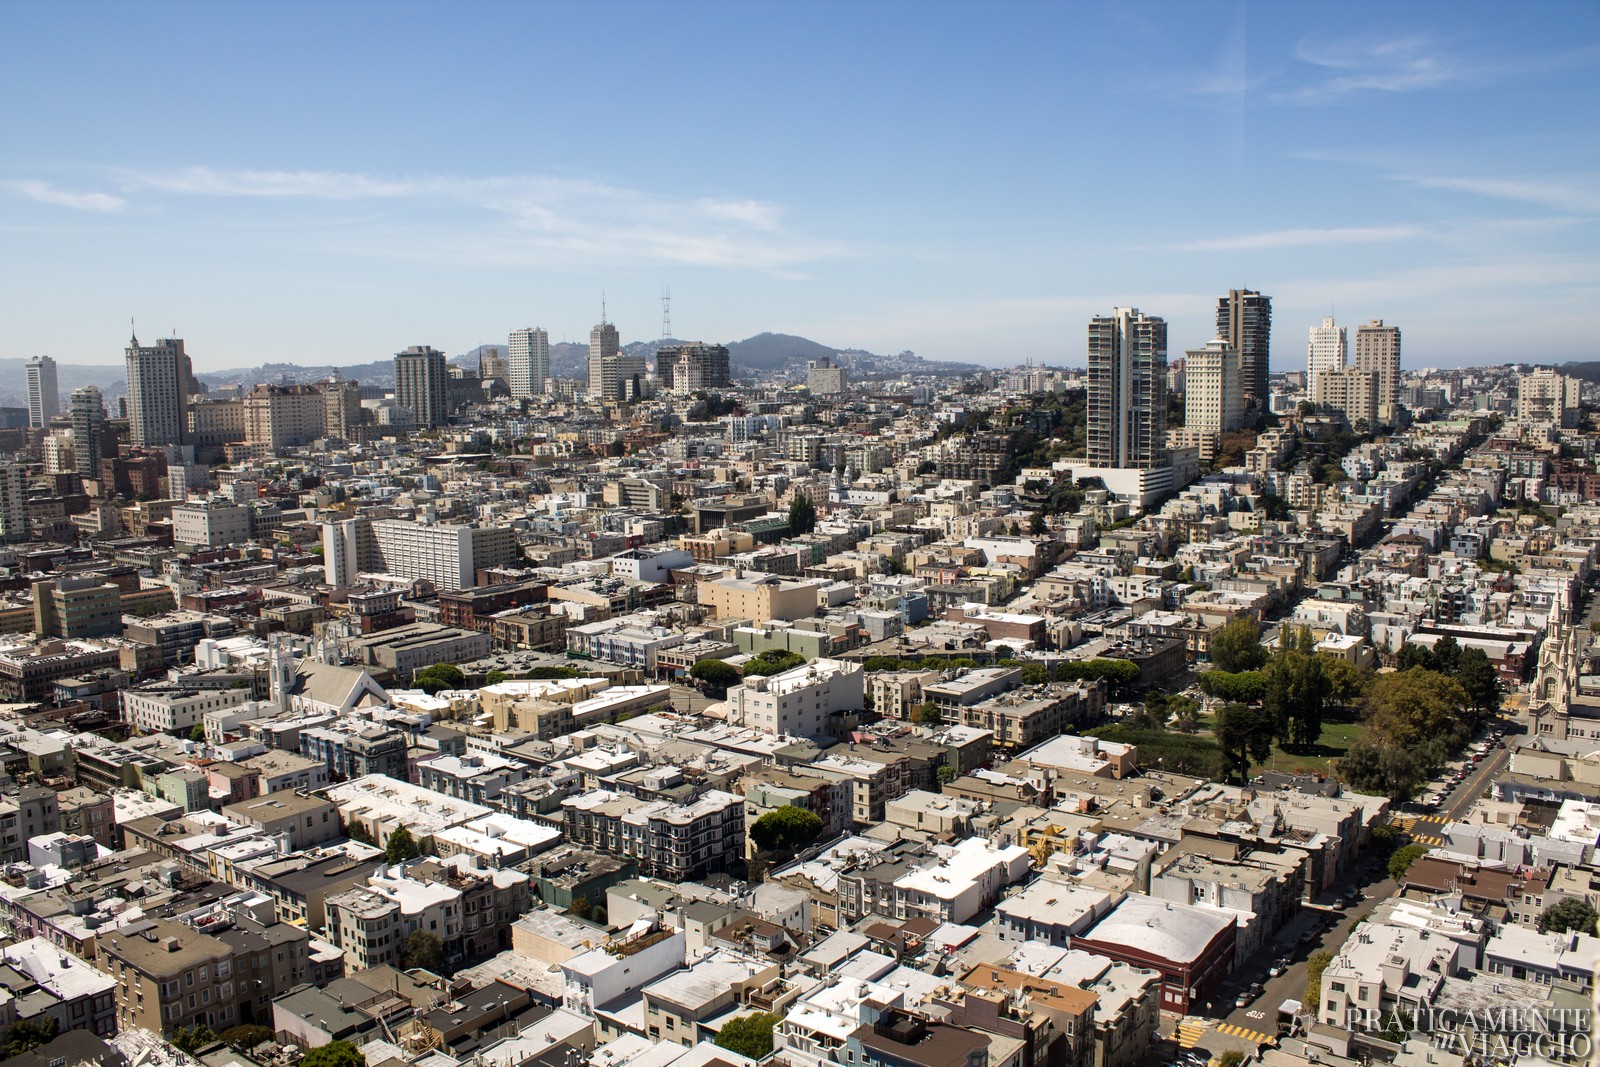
<point>776,351</point>
<point>1587,370</point>
<point>111,380</point>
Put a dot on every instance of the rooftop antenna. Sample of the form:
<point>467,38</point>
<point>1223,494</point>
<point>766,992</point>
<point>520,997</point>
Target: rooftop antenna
<point>666,314</point>
<point>602,307</point>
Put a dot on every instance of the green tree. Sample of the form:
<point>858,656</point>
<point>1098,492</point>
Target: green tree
<point>1347,683</point>
<point>1316,963</point>
<point>945,774</point>
<point>1409,707</point>
<point>581,908</point>
<point>749,1035</point>
<point>401,846</point>
<point>422,949</point>
<point>1237,646</point>
<point>495,677</point>
<point>356,832</point>
<point>1403,858</point>
<point>1231,1058</point>
<point>191,1039</point>
<point>28,1034</point>
<point>244,1038</point>
<point>1573,913</point>
<point>786,829</point>
<point>1244,734</point>
<point>335,1054</point>
<point>714,674</point>
<point>773,661</point>
<point>1036,524</point>
<point>1245,687</point>
<point>439,677</point>
<point>1297,690</point>
<point>802,515</point>
<point>927,714</point>
<point>1414,656</point>
<point>1382,770</point>
<point>1446,655</point>
<point>1480,680</point>
<point>198,733</point>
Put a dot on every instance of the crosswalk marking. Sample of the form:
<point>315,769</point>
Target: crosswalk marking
<point>1434,818</point>
<point>1249,1035</point>
<point>1189,1033</point>
<point>1427,839</point>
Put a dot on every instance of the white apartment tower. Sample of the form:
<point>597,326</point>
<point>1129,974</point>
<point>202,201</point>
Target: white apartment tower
<point>44,402</point>
<point>1378,352</point>
<point>1213,392</point>
<point>1127,390</point>
<point>613,374</point>
<point>528,361</point>
<point>1325,352</point>
<point>159,379</point>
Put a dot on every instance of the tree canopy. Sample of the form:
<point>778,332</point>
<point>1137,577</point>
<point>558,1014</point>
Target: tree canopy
<point>773,661</point>
<point>335,1054</point>
<point>1403,858</point>
<point>1245,687</point>
<point>1316,963</point>
<point>1480,680</point>
<point>401,846</point>
<point>1245,735</point>
<point>1409,707</point>
<point>785,829</point>
<point>439,677</point>
<point>802,515</point>
<point>714,673</point>
<point>1573,913</point>
<point>422,949</point>
<point>748,1035</point>
<point>1237,646</point>
<point>1296,689</point>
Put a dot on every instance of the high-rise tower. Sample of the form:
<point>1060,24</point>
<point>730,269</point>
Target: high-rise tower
<point>159,383</point>
<point>87,409</point>
<point>1244,320</point>
<point>44,402</point>
<point>1127,390</point>
<point>1213,401</point>
<point>1378,352</point>
<point>1325,353</point>
<point>603,346</point>
<point>528,360</point>
<point>422,383</point>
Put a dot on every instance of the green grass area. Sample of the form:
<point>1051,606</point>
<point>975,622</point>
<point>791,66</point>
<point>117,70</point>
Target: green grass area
<point>1335,740</point>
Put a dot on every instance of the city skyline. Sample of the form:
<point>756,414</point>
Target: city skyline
<point>1429,165</point>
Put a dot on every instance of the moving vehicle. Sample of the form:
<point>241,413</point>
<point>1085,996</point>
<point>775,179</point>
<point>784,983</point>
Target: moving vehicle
<point>1287,1011</point>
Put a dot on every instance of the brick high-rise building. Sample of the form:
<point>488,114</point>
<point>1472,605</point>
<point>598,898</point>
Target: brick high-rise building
<point>421,385</point>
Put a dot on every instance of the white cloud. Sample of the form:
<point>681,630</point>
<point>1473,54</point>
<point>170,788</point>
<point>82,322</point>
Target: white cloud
<point>1394,65</point>
<point>1302,238</point>
<point>522,219</point>
<point>1577,198</point>
<point>45,193</point>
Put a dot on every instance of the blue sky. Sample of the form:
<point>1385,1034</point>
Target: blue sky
<point>332,182</point>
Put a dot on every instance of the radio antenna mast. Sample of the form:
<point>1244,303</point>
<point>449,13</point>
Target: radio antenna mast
<point>666,314</point>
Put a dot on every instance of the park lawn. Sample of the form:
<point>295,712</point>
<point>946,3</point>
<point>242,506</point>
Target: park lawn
<point>1336,738</point>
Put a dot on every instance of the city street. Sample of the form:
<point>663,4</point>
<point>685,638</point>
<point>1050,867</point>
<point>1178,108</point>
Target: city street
<point>1223,1025</point>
